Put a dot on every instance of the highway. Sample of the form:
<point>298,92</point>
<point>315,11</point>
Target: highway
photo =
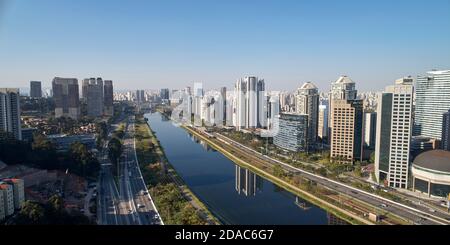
<point>416,216</point>
<point>134,192</point>
<point>130,203</point>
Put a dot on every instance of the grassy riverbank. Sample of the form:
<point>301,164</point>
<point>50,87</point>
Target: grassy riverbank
<point>176,203</point>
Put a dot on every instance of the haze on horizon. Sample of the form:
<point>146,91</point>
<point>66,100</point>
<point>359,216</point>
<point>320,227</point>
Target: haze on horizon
<point>173,43</point>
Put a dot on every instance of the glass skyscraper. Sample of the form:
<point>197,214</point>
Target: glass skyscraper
<point>292,131</point>
<point>432,100</point>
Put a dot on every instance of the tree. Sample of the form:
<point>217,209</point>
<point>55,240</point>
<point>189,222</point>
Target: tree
<point>82,160</point>
<point>114,150</point>
<point>31,213</point>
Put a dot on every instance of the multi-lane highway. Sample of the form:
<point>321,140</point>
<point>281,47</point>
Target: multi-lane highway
<point>417,215</point>
<point>131,203</point>
<point>133,189</point>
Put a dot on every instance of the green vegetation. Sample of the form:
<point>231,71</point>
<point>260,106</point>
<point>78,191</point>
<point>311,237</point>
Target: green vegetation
<point>42,154</point>
<point>50,213</point>
<point>171,196</point>
<point>172,206</point>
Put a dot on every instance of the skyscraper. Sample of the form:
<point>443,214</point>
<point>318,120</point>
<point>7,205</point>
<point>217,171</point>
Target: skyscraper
<point>94,97</point>
<point>251,108</point>
<point>307,98</point>
<point>342,89</point>
<point>394,130</point>
<point>432,100</point>
<point>223,93</point>
<point>140,96</point>
<point>345,122</point>
<point>322,131</point>
<point>164,94</point>
<point>346,131</point>
<point>445,139</point>
<point>370,128</point>
<point>292,131</point>
<point>10,112</point>
<point>84,87</point>
<point>66,96</point>
<point>35,89</point>
<point>108,93</point>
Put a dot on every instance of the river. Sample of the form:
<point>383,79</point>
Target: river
<point>233,194</point>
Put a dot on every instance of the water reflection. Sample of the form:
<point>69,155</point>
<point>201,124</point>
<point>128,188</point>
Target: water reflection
<point>247,182</point>
<point>205,145</point>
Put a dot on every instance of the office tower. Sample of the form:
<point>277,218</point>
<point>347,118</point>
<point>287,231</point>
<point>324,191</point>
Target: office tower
<point>292,132</point>
<point>345,121</point>
<point>7,192</point>
<point>164,94</point>
<point>274,110</point>
<point>35,89</point>
<point>445,138</point>
<point>84,87</point>
<point>322,131</point>
<point>432,100</point>
<point>94,97</point>
<point>10,112</point>
<point>66,96</point>
<point>108,93</point>
<point>250,103</point>
<point>346,131</point>
<point>307,98</point>
<point>140,96</point>
<point>223,93</point>
<point>394,130</point>
<point>342,89</point>
<point>370,128</point>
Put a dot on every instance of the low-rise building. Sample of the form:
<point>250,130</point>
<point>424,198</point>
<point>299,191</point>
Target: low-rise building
<point>431,173</point>
<point>63,142</point>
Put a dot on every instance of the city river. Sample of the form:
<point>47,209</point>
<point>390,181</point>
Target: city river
<point>233,194</point>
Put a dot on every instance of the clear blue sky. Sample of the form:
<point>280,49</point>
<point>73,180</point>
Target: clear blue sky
<point>151,44</point>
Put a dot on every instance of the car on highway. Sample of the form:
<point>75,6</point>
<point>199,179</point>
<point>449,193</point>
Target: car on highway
<point>141,205</point>
<point>383,205</point>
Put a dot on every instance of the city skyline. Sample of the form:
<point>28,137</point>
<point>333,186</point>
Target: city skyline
<point>153,44</point>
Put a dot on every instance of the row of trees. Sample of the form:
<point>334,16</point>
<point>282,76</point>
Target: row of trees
<point>50,213</point>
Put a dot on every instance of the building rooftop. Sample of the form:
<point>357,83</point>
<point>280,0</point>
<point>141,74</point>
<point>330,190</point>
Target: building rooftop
<point>308,85</point>
<point>344,79</point>
<point>438,160</point>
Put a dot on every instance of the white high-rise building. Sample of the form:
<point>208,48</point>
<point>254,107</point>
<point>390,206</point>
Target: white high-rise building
<point>322,131</point>
<point>251,108</point>
<point>394,130</point>
<point>432,100</point>
<point>10,112</point>
<point>370,122</point>
<point>307,103</point>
